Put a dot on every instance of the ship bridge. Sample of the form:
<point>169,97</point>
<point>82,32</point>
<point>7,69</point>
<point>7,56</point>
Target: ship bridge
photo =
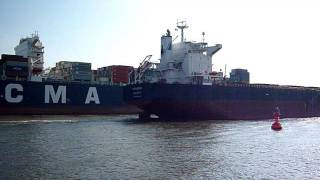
<point>186,62</point>
<point>32,48</point>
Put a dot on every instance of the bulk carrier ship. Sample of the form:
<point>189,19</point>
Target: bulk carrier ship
<point>183,86</point>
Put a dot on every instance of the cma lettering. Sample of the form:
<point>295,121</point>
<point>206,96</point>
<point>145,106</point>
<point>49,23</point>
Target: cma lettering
<point>8,93</point>
<point>92,95</point>
<point>55,96</point>
<point>14,94</point>
<point>60,95</point>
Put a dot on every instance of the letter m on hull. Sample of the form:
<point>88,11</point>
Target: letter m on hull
<point>55,96</point>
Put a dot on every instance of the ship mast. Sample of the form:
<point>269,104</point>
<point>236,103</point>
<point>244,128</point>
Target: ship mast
<point>182,25</point>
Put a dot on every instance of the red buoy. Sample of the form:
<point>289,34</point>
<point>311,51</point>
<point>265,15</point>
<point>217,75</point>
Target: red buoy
<point>276,120</point>
<point>276,126</point>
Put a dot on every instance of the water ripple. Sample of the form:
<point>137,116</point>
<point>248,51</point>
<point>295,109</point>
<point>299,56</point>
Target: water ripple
<point>120,147</point>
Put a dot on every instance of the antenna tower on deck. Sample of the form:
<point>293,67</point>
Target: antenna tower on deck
<point>182,25</point>
<point>203,37</point>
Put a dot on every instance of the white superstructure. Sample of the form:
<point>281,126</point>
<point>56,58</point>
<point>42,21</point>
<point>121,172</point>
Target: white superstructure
<point>186,62</point>
<point>31,48</point>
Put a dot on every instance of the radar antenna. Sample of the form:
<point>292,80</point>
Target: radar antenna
<point>203,37</point>
<point>182,25</point>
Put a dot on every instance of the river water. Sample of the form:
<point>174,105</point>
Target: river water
<point>121,147</point>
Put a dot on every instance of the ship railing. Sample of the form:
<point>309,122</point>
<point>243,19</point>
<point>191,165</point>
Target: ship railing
<point>273,86</point>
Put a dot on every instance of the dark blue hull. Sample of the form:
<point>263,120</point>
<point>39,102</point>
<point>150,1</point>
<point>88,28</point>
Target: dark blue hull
<point>177,101</point>
<point>23,97</point>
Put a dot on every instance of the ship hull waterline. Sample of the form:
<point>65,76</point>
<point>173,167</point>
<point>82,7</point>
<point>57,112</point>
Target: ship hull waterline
<point>222,110</point>
<point>222,102</point>
<point>56,98</point>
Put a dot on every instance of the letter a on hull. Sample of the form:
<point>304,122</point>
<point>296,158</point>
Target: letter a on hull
<point>92,96</point>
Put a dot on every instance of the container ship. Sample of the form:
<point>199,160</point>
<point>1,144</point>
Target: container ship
<point>71,87</point>
<point>183,86</point>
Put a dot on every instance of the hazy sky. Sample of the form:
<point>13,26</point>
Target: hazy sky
<point>276,40</point>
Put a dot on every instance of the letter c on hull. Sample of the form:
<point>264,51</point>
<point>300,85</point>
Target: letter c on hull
<point>8,93</point>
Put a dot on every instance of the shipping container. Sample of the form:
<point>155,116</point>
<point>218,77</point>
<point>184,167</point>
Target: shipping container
<point>16,68</point>
<point>120,74</point>
<point>16,74</point>
<point>114,74</point>
<point>13,69</point>
<point>8,57</point>
<point>81,77</point>
<point>74,71</point>
<point>16,63</point>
